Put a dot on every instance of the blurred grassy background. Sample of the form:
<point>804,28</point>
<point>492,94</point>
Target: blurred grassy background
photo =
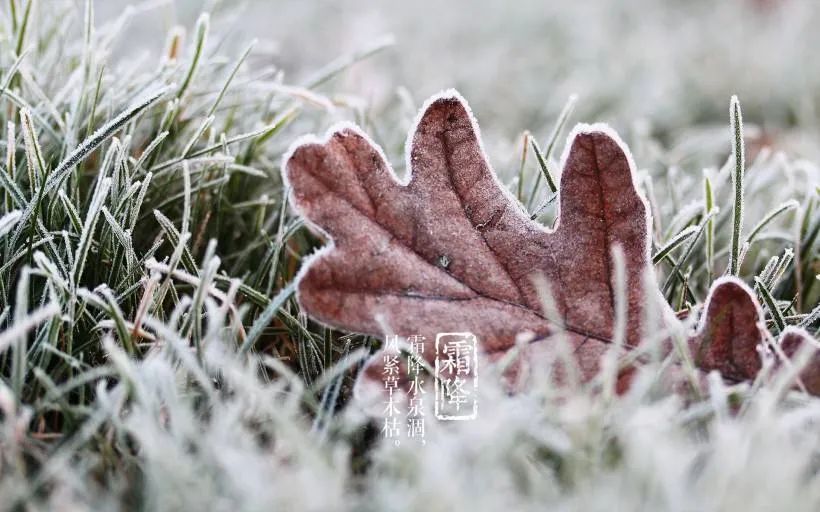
<point>670,64</point>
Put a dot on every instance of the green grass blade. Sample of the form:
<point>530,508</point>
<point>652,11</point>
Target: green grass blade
<point>738,149</point>
<point>673,244</point>
<point>771,304</point>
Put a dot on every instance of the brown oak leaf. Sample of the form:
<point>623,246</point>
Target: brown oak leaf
<point>449,249</point>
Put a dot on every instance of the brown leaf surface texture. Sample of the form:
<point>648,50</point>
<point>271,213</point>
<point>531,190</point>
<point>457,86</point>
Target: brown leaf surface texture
<point>451,250</point>
<point>792,342</point>
<point>729,333</point>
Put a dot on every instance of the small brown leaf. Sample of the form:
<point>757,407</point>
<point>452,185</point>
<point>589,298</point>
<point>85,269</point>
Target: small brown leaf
<point>792,342</point>
<point>729,333</point>
<point>730,338</point>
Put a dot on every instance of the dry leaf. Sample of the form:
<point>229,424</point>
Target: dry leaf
<point>452,250</point>
<point>729,333</point>
<point>732,337</point>
<point>792,342</point>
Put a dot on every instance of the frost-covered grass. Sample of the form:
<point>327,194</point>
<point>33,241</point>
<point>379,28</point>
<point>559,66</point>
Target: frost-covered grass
<point>152,356</point>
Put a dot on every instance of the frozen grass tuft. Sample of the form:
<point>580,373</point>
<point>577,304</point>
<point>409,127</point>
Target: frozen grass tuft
<point>152,355</point>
